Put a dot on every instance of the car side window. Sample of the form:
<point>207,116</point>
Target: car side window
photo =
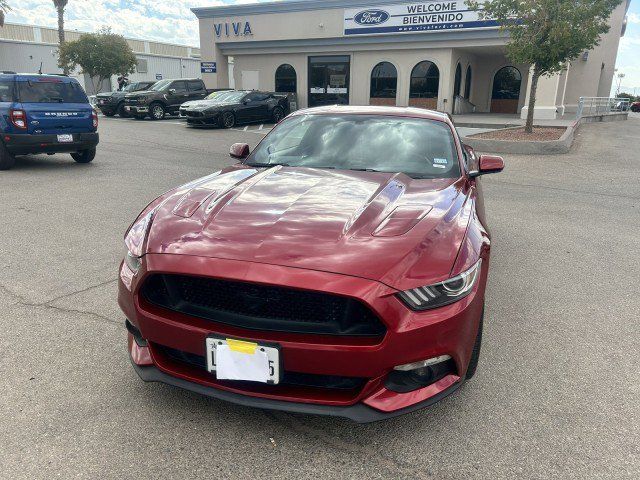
<point>256,97</point>
<point>195,85</point>
<point>6,91</point>
<point>179,87</point>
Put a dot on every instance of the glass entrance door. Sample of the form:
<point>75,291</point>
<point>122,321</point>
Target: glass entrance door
<point>329,80</point>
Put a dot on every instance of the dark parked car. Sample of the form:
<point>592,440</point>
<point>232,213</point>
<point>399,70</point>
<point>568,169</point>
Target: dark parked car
<point>237,107</point>
<point>635,107</point>
<point>112,103</point>
<point>164,97</point>
<point>338,269</point>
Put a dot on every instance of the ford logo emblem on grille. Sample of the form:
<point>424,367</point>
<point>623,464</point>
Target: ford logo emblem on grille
<point>371,17</point>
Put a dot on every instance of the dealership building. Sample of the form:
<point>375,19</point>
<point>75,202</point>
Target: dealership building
<point>437,54</point>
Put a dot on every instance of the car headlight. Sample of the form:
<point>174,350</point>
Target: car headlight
<point>134,241</point>
<point>443,293</point>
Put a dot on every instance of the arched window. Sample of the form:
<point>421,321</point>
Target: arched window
<point>286,79</point>
<point>384,84</point>
<point>425,81</point>
<point>467,83</point>
<point>457,83</point>
<point>505,95</point>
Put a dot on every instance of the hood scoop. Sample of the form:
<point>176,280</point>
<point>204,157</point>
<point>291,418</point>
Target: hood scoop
<point>402,219</point>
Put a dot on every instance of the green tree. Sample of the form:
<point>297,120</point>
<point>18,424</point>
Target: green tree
<point>60,4</point>
<point>547,34</point>
<point>100,55</point>
<point>4,8</point>
<point>632,98</point>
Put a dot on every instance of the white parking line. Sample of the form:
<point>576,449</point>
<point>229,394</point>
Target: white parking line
<point>159,122</point>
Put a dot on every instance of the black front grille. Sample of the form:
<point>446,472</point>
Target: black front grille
<point>288,378</point>
<point>190,113</point>
<point>262,307</point>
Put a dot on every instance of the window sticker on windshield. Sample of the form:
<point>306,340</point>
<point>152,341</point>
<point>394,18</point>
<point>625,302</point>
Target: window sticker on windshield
<point>440,162</point>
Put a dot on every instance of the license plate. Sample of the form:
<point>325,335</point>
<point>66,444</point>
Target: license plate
<point>67,138</point>
<point>127,109</point>
<point>101,102</point>
<point>232,359</point>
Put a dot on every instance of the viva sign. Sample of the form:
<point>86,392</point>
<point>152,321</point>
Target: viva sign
<point>237,29</point>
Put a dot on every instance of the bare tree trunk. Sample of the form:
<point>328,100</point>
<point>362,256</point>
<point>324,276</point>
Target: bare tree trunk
<point>65,68</point>
<point>528,128</point>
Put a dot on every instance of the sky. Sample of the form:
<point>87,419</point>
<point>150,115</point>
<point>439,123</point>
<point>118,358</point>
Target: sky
<point>173,21</point>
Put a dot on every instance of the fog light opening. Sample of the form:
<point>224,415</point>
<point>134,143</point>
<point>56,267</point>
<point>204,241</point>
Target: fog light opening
<point>412,376</point>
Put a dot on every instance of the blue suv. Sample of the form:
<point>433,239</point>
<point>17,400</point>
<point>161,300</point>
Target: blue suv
<point>45,114</point>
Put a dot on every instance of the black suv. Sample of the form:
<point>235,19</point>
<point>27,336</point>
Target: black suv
<point>112,103</point>
<point>164,97</point>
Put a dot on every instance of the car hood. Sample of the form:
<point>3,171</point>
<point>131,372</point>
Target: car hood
<point>111,94</point>
<point>208,104</point>
<point>141,92</point>
<point>381,226</point>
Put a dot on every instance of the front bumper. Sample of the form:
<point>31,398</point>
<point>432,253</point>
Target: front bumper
<point>410,336</point>
<point>200,118</point>
<point>359,412</point>
<point>23,144</point>
<point>136,109</point>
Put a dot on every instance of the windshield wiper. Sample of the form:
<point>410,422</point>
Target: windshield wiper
<point>267,164</point>
<point>366,170</point>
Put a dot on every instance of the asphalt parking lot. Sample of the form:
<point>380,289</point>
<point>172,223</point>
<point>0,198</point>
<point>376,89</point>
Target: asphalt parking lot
<point>556,394</point>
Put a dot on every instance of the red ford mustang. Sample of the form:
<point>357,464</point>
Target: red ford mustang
<point>338,269</point>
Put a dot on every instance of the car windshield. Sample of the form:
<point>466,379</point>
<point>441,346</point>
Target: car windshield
<point>134,87</point>
<point>234,96</point>
<point>161,85</point>
<point>51,91</point>
<point>420,148</point>
<point>220,96</point>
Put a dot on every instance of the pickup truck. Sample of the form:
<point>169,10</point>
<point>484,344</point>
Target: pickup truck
<point>164,97</point>
<point>112,103</point>
<point>45,114</point>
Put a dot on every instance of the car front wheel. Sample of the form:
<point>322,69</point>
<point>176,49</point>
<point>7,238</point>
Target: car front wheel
<point>157,111</point>
<point>227,120</point>
<point>277,114</point>
<point>84,156</point>
<point>122,113</point>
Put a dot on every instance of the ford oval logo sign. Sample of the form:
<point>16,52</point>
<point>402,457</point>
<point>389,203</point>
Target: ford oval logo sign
<point>371,17</point>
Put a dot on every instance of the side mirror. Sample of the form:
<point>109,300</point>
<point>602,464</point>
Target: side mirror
<point>488,164</point>
<point>172,91</point>
<point>239,151</point>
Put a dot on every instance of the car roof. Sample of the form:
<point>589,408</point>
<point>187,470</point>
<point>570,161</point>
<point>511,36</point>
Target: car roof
<point>25,77</point>
<point>376,110</point>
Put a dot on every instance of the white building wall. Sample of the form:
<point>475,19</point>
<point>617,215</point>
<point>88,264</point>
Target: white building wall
<point>24,47</point>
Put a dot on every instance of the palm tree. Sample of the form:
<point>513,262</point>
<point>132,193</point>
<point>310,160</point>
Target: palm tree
<point>4,8</point>
<point>60,4</point>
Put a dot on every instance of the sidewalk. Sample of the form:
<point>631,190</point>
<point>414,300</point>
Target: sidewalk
<point>502,120</point>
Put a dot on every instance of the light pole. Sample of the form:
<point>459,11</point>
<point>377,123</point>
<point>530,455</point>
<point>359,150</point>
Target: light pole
<point>620,77</point>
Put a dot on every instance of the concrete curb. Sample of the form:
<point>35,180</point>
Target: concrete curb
<point>549,147</point>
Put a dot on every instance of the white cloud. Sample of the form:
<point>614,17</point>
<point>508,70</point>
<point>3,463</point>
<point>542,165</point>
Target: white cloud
<point>162,20</point>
